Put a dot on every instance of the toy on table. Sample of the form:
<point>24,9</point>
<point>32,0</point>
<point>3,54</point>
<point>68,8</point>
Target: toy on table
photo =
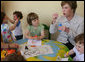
<point>61,59</point>
<point>4,53</point>
<point>58,58</point>
<point>33,45</point>
<point>34,42</point>
<point>59,26</point>
<point>67,54</point>
<point>26,48</point>
<point>64,59</point>
<point>10,51</point>
<point>35,36</point>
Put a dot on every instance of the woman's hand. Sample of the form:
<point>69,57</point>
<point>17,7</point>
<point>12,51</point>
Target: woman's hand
<point>55,16</point>
<point>64,28</point>
<point>13,45</point>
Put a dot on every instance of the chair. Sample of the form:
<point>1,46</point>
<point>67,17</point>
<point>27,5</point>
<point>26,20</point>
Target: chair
<point>47,33</point>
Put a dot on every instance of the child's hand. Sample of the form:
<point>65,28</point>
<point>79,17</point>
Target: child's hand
<point>66,55</point>
<point>16,22</point>
<point>36,38</point>
<point>17,19</point>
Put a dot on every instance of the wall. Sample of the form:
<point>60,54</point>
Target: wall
<point>44,9</point>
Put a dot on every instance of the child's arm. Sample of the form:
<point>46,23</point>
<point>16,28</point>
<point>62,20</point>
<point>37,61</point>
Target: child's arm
<point>69,53</point>
<point>36,38</point>
<point>42,35</point>
<point>9,45</point>
<point>14,25</point>
<point>10,19</point>
<point>27,35</point>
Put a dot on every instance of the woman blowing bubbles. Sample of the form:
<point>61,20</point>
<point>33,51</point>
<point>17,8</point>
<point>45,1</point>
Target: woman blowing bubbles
<point>72,24</point>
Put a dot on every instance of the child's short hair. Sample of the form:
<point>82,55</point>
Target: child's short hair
<point>14,57</point>
<point>31,16</point>
<point>2,16</point>
<point>18,14</point>
<point>80,38</point>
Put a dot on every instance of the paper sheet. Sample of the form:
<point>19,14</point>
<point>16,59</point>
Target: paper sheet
<point>34,42</point>
<point>35,51</point>
<point>64,59</point>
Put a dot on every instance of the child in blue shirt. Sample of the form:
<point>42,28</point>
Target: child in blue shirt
<point>18,30</point>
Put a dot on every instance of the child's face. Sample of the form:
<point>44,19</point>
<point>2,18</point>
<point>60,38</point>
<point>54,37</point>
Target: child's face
<point>15,17</point>
<point>80,47</point>
<point>35,22</point>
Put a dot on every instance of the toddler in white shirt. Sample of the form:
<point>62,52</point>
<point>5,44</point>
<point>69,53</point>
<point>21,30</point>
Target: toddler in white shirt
<point>78,48</point>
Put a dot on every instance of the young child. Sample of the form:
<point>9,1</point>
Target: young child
<point>17,15</point>
<point>6,29</point>
<point>35,30</point>
<point>78,49</point>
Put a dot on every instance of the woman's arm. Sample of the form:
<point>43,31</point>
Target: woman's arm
<point>79,29</point>
<point>53,28</point>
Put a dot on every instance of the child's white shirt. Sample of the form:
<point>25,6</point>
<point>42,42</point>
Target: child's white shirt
<point>17,31</point>
<point>78,57</point>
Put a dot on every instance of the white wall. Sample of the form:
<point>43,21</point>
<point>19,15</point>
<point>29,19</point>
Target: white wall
<point>44,9</point>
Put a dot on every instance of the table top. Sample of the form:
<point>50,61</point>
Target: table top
<point>58,48</point>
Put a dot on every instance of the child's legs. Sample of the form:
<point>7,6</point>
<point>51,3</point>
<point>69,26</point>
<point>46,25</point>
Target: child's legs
<point>19,37</point>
